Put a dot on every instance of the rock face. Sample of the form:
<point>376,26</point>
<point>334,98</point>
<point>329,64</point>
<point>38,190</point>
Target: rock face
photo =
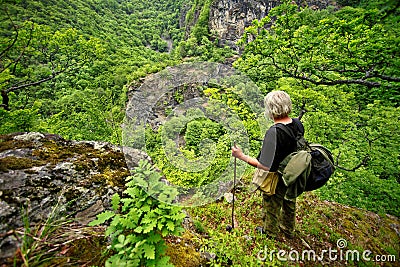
<point>229,18</point>
<point>39,172</point>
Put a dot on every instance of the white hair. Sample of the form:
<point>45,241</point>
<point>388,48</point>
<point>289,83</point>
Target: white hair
<point>277,104</point>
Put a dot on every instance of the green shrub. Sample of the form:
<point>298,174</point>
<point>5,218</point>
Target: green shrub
<point>141,219</point>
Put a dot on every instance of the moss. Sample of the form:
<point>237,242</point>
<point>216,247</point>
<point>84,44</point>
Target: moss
<point>31,172</point>
<point>87,251</point>
<point>71,194</point>
<point>358,214</point>
<point>183,252</point>
<point>84,164</point>
<point>114,160</point>
<point>181,255</point>
<point>111,166</point>
<point>111,177</point>
<point>54,152</point>
<point>15,163</point>
<point>91,250</point>
<point>117,177</point>
<point>388,235</point>
<point>199,227</point>
<point>11,144</point>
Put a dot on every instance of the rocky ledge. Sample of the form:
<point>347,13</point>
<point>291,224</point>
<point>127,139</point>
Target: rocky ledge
<point>44,175</point>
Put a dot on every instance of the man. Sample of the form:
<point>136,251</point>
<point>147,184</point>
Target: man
<point>278,212</point>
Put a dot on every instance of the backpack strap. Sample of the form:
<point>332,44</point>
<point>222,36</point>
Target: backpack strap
<point>295,135</point>
<point>299,126</point>
<point>298,135</point>
<point>287,130</point>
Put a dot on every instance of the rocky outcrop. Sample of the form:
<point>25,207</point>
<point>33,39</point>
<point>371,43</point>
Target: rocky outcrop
<point>43,174</point>
<point>229,18</point>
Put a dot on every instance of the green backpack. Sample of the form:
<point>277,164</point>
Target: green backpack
<point>309,167</point>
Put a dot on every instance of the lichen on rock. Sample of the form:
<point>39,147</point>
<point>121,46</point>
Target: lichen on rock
<point>40,171</point>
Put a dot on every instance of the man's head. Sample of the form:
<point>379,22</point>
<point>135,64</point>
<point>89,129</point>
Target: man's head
<point>277,105</point>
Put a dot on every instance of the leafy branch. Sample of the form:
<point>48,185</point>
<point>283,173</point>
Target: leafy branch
<point>139,221</point>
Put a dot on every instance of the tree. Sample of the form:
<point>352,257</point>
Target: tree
<point>352,46</point>
<point>32,54</point>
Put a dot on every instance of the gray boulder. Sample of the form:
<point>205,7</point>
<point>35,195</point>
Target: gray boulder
<point>44,175</point>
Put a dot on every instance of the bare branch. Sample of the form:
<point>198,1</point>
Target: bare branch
<point>362,163</point>
<point>22,52</point>
<point>14,88</point>
<point>5,100</point>
<point>367,73</point>
<point>52,76</point>
<point>15,38</point>
<point>302,110</point>
<point>326,82</point>
<point>388,78</point>
<point>337,82</point>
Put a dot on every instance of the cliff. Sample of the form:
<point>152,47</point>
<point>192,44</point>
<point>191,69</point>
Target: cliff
<point>229,18</point>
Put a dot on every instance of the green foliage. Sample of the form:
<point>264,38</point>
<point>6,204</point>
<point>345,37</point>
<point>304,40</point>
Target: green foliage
<point>196,164</point>
<point>199,131</point>
<point>198,44</point>
<point>229,97</point>
<point>240,246</point>
<point>86,115</point>
<point>140,220</point>
<point>363,190</point>
<point>200,29</point>
<point>76,68</point>
<point>352,46</point>
<point>319,225</point>
<point>19,120</point>
<point>81,72</point>
<point>34,249</point>
<point>338,66</point>
<point>341,66</point>
<point>194,149</point>
<point>352,3</point>
<point>203,50</point>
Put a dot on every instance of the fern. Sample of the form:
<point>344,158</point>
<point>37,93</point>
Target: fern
<point>102,218</point>
<point>140,221</point>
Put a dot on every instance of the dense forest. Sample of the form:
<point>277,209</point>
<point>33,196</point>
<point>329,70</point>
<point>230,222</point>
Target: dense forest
<point>55,55</point>
<point>69,67</point>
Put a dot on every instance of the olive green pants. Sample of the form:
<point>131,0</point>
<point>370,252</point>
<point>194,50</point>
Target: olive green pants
<point>279,212</point>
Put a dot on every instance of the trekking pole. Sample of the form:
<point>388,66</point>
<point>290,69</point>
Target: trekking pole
<point>230,227</point>
<point>234,188</point>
